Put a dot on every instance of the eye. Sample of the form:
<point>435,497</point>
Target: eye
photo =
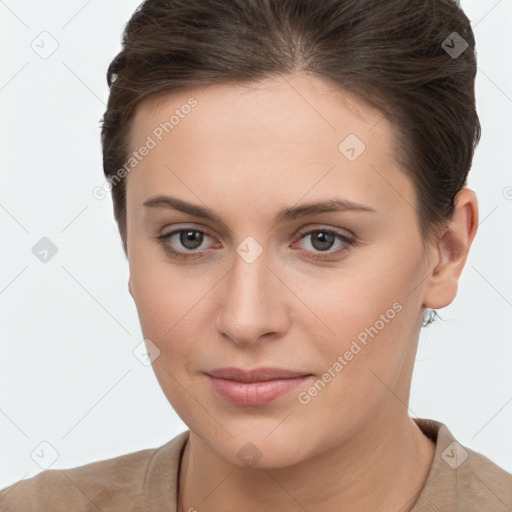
<point>321,240</point>
<point>189,239</point>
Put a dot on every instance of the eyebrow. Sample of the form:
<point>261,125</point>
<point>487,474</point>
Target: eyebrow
<point>287,214</point>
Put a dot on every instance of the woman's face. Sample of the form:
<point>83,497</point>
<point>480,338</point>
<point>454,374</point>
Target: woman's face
<point>335,294</point>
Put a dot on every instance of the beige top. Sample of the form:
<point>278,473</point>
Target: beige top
<point>459,480</point>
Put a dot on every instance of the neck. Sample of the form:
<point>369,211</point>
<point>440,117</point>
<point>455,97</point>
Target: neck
<point>383,467</point>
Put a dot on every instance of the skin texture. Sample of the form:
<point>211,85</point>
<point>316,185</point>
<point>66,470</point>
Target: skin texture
<point>246,152</point>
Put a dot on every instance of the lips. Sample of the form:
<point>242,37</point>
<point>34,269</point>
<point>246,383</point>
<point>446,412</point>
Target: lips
<point>255,387</point>
<point>255,375</point>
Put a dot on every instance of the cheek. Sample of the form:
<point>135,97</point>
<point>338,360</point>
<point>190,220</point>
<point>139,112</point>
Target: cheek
<point>355,299</point>
<point>370,333</point>
<point>166,314</point>
<point>367,317</point>
<point>169,303</point>
<point>160,293</point>
<point>166,309</point>
<point>362,363</point>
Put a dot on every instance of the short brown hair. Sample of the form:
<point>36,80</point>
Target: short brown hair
<point>391,53</point>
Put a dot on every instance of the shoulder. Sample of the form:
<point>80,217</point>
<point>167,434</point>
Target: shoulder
<point>460,478</point>
<point>117,483</point>
<point>484,484</point>
<point>81,488</point>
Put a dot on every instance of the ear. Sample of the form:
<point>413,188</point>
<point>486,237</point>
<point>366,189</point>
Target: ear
<point>452,251</point>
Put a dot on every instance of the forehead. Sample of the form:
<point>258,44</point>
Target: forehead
<point>288,131</point>
<point>281,105</point>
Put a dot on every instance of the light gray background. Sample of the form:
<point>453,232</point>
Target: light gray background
<point>68,327</point>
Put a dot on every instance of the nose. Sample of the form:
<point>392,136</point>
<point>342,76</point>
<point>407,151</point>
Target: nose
<point>253,302</point>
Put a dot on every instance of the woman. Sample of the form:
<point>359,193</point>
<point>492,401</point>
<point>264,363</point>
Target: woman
<point>289,180</point>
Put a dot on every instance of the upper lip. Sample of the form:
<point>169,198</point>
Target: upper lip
<point>255,375</point>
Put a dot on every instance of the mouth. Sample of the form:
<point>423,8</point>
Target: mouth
<point>255,387</point>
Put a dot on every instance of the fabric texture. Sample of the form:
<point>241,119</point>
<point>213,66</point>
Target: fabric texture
<point>459,480</point>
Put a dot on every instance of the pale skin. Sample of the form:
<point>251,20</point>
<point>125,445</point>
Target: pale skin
<point>246,152</point>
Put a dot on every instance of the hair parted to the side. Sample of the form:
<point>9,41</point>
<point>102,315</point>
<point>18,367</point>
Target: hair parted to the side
<point>388,53</point>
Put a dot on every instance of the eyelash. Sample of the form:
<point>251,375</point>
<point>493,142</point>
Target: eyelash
<point>162,239</point>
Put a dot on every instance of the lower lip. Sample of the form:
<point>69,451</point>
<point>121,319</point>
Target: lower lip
<point>255,393</point>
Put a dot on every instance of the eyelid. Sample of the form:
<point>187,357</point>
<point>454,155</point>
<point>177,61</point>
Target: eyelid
<point>179,229</point>
<point>348,240</point>
<point>301,231</point>
<point>324,227</point>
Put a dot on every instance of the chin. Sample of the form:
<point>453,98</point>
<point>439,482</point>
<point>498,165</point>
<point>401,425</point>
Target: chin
<point>255,448</point>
